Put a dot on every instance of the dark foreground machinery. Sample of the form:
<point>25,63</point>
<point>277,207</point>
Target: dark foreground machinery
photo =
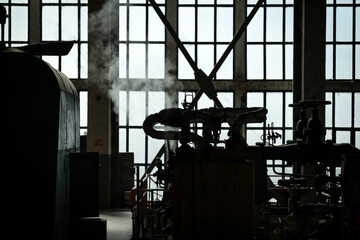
<point>212,188</point>
<point>219,189</point>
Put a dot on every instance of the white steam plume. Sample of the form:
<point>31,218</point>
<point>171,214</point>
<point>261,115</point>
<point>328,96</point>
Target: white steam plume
<point>105,70</point>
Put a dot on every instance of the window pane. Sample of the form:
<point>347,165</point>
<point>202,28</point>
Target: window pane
<point>156,61</point>
<point>343,62</point>
<point>357,24</point>
<point>205,102</point>
<point>83,108</point>
<point>329,23</point>
<point>342,109</point>
<point>84,24</point>
<point>255,66</point>
<point>122,60</point>
<point>255,28</point>
<point>154,145</point>
<point>184,70</point>
<point>342,137</point>
<point>19,23</point>
<point>156,102</point>
<point>288,110</point>
<point>69,19</point>
<point>70,63</point>
<point>84,61</point>
<point>52,60</point>
<point>137,144</point>
<point>274,62</point>
<point>205,1</point>
<point>205,24</point>
<point>136,60</point>
<point>50,23</point>
<point>288,135</point>
<point>226,69</point>
<point>253,136</point>
<point>187,23</point>
<point>255,99</point>
<point>329,62</point>
<point>344,1</point>
<point>289,62</point>
<point>289,24</point>
<point>328,110</point>
<point>137,23</point>
<point>224,24</point>
<point>226,98</point>
<point>136,108</point>
<point>344,24</point>
<point>122,107</point>
<point>225,1</point>
<point>156,27</point>
<point>274,24</point>
<point>122,23</point>
<point>122,140</point>
<point>357,140</point>
<point>186,1</point>
<point>357,110</point>
<point>206,58</point>
<point>357,61</point>
<point>274,106</point>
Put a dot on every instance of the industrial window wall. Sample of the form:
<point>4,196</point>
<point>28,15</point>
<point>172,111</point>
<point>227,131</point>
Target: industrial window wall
<point>206,27</point>
<point>67,21</point>
<point>16,27</point>
<point>343,64</point>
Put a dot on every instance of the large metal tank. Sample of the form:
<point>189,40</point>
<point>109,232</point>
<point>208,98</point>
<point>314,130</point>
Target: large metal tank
<point>41,124</point>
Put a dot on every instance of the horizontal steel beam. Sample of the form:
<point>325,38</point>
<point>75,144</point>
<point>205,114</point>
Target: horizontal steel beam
<point>221,85</point>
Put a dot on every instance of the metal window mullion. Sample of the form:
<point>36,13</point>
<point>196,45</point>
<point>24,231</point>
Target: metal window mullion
<point>264,123</point>
<point>352,130</point>
<point>79,40</point>
<point>146,77</point>
<point>246,44</point>
<point>127,120</point>
<point>196,33</point>
<point>264,42</point>
<point>127,75</point>
<point>127,39</point>
<point>283,41</point>
<point>215,37</point>
<point>28,22</point>
<point>146,136</point>
<point>283,117</point>
<point>353,40</point>
<point>9,23</point>
<point>146,41</point>
<point>60,35</point>
<point>334,44</point>
<point>333,118</point>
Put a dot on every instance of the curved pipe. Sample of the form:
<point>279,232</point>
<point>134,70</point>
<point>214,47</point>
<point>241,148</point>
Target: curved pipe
<point>180,118</point>
<point>168,117</point>
<point>253,115</point>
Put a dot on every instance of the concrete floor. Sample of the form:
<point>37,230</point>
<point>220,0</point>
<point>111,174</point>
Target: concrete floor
<point>119,226</point>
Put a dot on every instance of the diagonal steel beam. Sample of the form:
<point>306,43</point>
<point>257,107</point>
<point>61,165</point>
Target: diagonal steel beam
<point>203,80</point>
<point>231,45</point>
<point>174,35</point>
<point>236,38</point>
